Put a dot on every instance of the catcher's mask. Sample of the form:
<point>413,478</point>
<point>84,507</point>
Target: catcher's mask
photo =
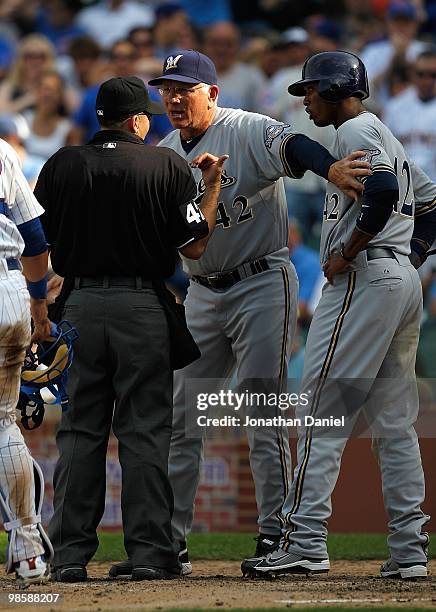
<point>44,374</point>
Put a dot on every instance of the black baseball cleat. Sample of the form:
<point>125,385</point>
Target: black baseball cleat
<point>121,570</point>
<point>279,563</point>
<point>266,544</point>
<point>404,571</point>
<point>146,572</point>
<point>124,568</point>
<point>69,573</point>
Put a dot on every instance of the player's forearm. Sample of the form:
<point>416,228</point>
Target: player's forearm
<point>209,206</point>
<point>35,267</point>
<point>356,243</point>
<point>35,271</point>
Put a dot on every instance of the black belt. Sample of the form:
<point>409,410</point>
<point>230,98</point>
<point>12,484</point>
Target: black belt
<point>132,282</point>
<point>228,279</point>
<point>379,253</point>
<point>13,263</point>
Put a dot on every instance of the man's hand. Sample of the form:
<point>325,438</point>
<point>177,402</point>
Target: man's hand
<point>335,264</point>
<point>41,322</point>
<point>54,287</point>
<point>211,168</point>
<point>344,174</point>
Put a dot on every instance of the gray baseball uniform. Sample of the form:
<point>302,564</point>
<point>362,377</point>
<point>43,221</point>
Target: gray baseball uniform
<point>250,324</point>
<point>361,352</point>
<point>17,205</point>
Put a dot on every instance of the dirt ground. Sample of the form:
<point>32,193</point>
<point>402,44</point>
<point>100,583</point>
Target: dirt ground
<point>218,584</point>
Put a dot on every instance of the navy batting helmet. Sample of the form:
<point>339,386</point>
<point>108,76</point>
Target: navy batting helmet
<point>339,75</point>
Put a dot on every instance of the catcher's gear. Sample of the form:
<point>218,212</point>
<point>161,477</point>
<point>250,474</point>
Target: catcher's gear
<point>339,75</point>
<point>11,524</point>
<point>45,373</point>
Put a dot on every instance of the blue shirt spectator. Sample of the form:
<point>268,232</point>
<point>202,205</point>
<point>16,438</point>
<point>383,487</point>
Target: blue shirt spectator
<point>306,262</point>
<point>56,22</point>
<point>203,14</point>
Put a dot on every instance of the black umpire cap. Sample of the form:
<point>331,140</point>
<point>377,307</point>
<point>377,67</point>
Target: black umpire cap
<point>120,98</point>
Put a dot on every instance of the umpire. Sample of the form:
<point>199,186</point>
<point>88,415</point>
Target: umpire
<point>116,211</point>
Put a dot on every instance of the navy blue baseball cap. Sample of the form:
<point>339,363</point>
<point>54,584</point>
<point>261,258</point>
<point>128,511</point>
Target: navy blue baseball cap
<point>188,67</point>
<point>402,8</point>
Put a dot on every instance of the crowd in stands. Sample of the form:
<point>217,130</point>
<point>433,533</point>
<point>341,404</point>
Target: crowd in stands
<point>55,53</point>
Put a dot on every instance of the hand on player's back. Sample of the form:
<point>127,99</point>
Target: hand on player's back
<point>211,168</point>
<point>345,173</point>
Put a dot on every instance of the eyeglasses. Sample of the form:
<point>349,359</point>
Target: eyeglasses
<point>183,92</point>
<point>40,55</point>
<point>122,56</point>
<point>422,74</point>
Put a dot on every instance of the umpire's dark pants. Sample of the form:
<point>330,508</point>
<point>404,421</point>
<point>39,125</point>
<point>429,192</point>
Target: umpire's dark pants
<point>120,376</point>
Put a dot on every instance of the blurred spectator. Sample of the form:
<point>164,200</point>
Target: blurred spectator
<point>306,262</point>
<point>171,24</point>
<point>148,65</point>
<point>14,130</point>
<point>241,85</point>
<point>48,124</point>
<point>55,20</point>
<point>400,49</point>
<point>204,14</point>
<point>412,115</point>
<point>281,14</point>
<point>112,20</point>
<point>293,45</point>
<point>35,56</point>
<point>264,51</point>
<point>361,25</point>
<point>122,63</point>
<point>141,38</point>
<point>122,59</point>
<point>7,51</point>
<point>325,34</point>
<point>82,67</point>
<point>306,196</point>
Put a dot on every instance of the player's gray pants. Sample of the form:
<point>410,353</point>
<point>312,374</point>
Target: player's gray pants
<point>363,338</point>
<point>17,486</point>
<point>249,326</point>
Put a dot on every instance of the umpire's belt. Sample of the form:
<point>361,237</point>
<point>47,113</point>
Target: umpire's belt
<point>228,279</point>
<point>104,282</point>
<point>379,253</point>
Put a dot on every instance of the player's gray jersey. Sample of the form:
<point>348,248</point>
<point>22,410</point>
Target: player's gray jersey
<point>252,218</point>
<point>385,153</point>
<point>17,202</point>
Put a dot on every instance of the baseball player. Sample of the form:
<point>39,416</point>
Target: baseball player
<point>241,303</point>
<point>20,235</point>
<point>362,343</point>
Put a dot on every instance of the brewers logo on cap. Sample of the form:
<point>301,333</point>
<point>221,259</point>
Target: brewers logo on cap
<point>172,62</point>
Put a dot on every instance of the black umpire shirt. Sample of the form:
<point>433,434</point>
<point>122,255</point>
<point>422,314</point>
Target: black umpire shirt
<point>118,207</point>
